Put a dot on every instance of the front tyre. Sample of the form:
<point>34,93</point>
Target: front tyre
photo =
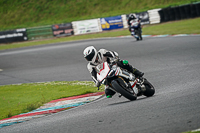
<point>123,91</point>
<point>150,91</point>
<point>140,35</point>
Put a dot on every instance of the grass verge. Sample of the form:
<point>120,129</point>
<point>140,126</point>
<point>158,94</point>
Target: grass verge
<point>22,98</point>
<point>189,26</point>
<point>25,13</point>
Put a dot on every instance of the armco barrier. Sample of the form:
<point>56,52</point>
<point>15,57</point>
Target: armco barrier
<point>183,12</point>
<point>166,14</point>
<point>177,13</point>
<point>86,26</point>
<point>13,36</point>
<point>65,29</point>
<point>40,32</point>
<point>180,12</point>
<point>198,9</point>
<point>154,16</point>
<point>124,19</point>
<point>171,14</point>
<point>110,23</point>
<point>161,13</point>
<point>144,16</point>
<point>193,12</point>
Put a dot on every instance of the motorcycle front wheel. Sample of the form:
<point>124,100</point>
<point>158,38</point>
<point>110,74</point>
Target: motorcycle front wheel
<point>123,91</point>
<point>150,90</point>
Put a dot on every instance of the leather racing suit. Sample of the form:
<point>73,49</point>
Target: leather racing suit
<point>104,55</point>
<point>129,22</point>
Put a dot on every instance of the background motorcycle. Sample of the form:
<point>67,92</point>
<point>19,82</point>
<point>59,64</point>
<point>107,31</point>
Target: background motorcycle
<point>136,30</point>
<point>123,82</point>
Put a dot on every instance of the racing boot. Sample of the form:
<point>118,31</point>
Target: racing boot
<point>109,93</point>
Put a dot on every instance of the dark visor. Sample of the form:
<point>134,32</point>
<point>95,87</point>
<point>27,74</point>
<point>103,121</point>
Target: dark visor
<point>90,56</point>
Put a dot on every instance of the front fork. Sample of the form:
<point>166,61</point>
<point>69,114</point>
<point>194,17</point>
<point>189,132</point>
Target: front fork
<point>133,33</point>
<point>140,85</point>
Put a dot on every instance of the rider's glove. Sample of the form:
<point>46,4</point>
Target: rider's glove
<point>125,62</point>
<point>116,58</point>
<point>98,84</point>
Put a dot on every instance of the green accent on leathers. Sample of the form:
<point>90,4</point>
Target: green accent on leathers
<point>125,62</point>
<point>109,96</point>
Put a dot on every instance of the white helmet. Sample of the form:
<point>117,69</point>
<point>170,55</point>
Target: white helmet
<point>90,54</point>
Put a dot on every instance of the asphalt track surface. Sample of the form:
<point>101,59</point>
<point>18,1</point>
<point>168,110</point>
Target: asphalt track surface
<point>171,64</point>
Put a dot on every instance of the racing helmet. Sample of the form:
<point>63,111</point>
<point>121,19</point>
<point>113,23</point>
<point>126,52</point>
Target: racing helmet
<point>132,16</point>
<point>90,54</point>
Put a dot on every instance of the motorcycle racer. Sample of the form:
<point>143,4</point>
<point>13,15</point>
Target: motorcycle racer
<point>95,58</point>
<point>133,17</point>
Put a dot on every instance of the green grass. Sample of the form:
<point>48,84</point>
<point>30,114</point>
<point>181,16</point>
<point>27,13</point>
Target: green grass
<point>188,26</point>
<point>30,13</point>
<point>22,98</point>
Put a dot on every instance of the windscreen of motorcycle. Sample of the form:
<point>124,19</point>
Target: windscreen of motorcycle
<point>102,71</point>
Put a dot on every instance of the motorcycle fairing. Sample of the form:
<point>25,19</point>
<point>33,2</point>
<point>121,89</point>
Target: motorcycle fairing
<point>134,23</point>
<point>133,85</point>
<point>102,71</point>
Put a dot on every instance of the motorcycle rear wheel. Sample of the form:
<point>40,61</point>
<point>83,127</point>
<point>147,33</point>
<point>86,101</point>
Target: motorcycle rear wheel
<point>124,92</point>
<point>139,34</point>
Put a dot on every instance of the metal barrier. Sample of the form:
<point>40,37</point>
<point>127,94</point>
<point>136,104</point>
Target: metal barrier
<point>187,11</point>
<point>154,16</point>
<point>39,32</point>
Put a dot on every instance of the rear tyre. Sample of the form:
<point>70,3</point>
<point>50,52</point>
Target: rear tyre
<point>150,91</point>
<point>123,91</point>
